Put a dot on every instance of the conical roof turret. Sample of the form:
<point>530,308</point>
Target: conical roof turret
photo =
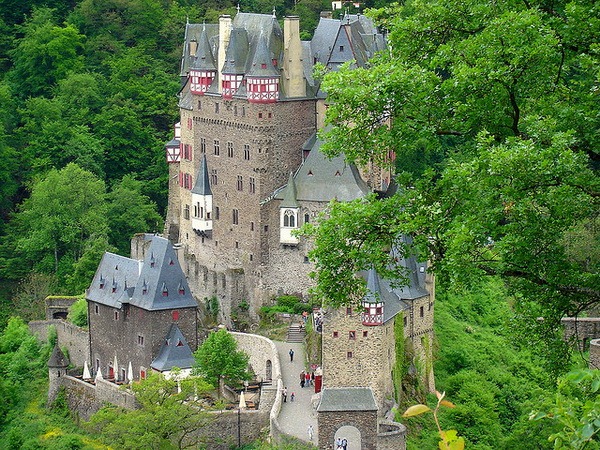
<point>289,197</point>
<point>58,358</point>
<point>262,61</point>
<point>202,186</point>
<point>204,59</point>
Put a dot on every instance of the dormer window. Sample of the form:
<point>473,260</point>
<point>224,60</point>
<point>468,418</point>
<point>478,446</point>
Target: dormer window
<point>102,282</point>
<point>171,262</point>
<point>145,288</point>
<point>152,260</point>
<point>179,343</point>
<point>165,291</point>
<point>181,289</point>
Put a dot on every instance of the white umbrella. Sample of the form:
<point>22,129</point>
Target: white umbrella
<point>130,373</point>
<point>242,401</point>
<point>86,371</point>
<point>116,368</point>
<point>99,375</point>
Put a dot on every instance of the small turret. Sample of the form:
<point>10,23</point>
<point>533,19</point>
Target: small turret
<point>173,147</point>
<point>202,201</point>
<point>203,70</point>
<point>57,369</point>
<point>372,302</point>
<point>263,77</point>
<point>288,214</point>
<point>233,69</point>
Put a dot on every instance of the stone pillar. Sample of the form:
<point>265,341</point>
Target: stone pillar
<point>224,34</point>
<point>293,71</point>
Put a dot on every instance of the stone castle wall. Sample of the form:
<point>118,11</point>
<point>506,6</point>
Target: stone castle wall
<point>594,354</point>
<point>365,421</point>
<point>372,354</point>
<point>71,337</point>
<point>418,332</point>
<point>584,329</point>
<point>262,353</point>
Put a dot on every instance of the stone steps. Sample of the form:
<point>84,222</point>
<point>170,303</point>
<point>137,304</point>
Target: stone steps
<point>296,334</point>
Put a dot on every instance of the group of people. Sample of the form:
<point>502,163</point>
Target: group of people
<point>341,444</point>
<point>307,379</point>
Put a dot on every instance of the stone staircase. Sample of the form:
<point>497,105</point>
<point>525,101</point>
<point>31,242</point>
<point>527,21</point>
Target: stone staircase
<point>295,333</point>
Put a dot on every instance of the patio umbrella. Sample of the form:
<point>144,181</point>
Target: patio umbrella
<point>130,373</point>
<point>86,371</point>
<point>242,401</point>
<point>99,375</point>
<point>116,368</point>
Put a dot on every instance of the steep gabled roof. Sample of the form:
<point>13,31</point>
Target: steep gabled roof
<point>120,280</point>
<point>175,352</point>
<point>161,283</point>
<point>202,186</point>
<point>114,278</point>
<point>193,32</point>
<point>322,179</point>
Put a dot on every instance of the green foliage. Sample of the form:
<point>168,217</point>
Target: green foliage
<point>168,418</point>
<point>29,299</point>
<point>218,357</point>
<point>78,313</point>
<point>482,94</point>
<point>576,408</point>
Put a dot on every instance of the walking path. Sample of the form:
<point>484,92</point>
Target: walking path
<point>295,417</point>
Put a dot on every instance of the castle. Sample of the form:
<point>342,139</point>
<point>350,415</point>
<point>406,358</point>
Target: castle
<point>246,170</point>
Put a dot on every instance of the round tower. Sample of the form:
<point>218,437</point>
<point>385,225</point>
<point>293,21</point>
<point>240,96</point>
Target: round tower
<point>57,370</point>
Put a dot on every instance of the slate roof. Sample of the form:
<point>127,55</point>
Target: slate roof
<point>58,358</point>
<point>204,57</point>
<point>322,179</point>
<point>175,352</point>
<point>396,298</point>
<point>120,280</point>
<point>262,61</point>
<point>202,185</point>
<point>347,399</point>
<point>237,52</point>
<point>193,32</point>
<point>289,194</point>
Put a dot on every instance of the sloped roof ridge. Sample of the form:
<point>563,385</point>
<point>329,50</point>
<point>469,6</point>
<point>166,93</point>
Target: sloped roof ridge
<point>202,185</point>
<point>175,352</point>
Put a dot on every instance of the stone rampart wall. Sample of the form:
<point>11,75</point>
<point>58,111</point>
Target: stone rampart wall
<point>85,399</point>
<point>595,354</point>
<point>71,337</point>
<point>391,436</point>
<point>583,328</point>
<point>260,350</point>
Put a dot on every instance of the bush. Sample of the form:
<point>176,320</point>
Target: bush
<point>78,313</point>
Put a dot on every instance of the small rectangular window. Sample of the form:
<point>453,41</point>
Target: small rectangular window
<point>217,147</point>
<point>335,334</point>
<point>116,315</point>
<point>252,183</point>
<point>251,226</point>
<point>140,340</point>
<point>216,213</point>
<point>365,333</point>
<point>352,335</point>
<point>202,145</point>
<point>96,309</point>
<point>349,355</point>
<point>240,183</point>
<point>421,312</point>
<point>348,311</point>
<point>405,321</point>
<point>230,149</point>
<point>217,107</point>
<point>235,216</point>
<point>246,152</point>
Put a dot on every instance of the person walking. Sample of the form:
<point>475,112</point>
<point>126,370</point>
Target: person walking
<point>302,379</point>
<point>292,396</point>
<point>291,353</point>
<point>310,432</point>
<point>284,394</point>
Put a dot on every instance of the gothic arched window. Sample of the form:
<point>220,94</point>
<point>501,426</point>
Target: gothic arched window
<point>289,218</point>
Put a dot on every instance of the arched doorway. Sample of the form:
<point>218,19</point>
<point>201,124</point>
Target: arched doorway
<point>351,435</point>
<point>269,370</point>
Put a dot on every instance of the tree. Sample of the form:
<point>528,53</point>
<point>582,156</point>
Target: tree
<point>168,417</point>
<point>130,212</point>
<point>218,357</point>
<point>45,54</point>
<point>495,160</point>
<point>576,408</point>
<point>66,210</point>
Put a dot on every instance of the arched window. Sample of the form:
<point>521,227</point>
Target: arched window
<point>289,218</point>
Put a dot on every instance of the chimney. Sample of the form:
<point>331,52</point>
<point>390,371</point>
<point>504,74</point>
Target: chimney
<point>294,83</point>
<point>224,34</point>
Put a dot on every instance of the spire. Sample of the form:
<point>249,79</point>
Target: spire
<point>202,186</point>
<point>289,198</point>
<point>204,57</point>
<point>373,294</point>
<point>262,62</point>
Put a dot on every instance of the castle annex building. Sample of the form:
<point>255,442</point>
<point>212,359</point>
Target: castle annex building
<point>142,315</point>
<point>245,167</point>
